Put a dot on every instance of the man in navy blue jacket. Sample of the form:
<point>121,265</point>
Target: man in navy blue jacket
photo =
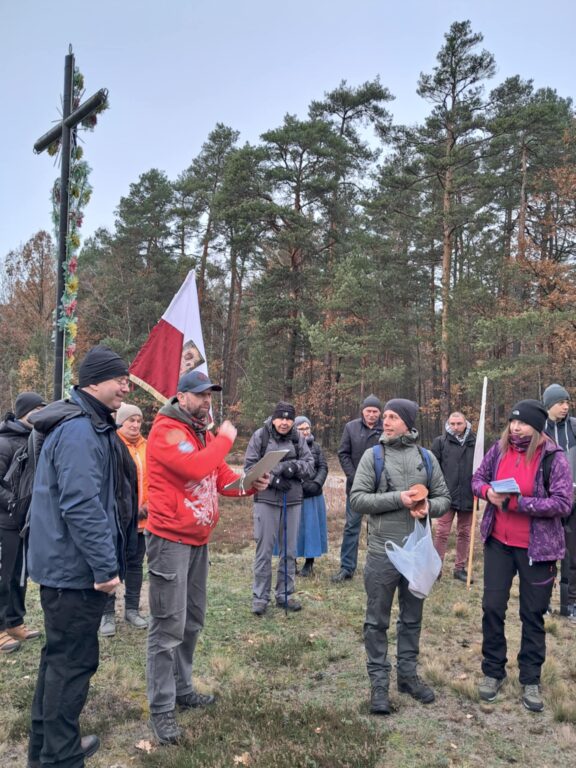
<point>75,551</point>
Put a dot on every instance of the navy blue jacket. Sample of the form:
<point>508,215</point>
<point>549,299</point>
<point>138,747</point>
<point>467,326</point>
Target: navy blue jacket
<point>73,514</point>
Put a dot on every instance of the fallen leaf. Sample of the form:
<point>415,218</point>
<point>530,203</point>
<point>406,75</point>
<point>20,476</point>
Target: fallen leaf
<point>243,759</point>
<point>453,746</point>
<point>145,746</point>
<point>318,730</point>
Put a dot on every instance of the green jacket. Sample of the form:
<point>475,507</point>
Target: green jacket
<point>389,519</point>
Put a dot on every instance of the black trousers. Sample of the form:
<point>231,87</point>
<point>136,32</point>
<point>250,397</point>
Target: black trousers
<point>501,564</point>
<point>12,595</point>
<point>67,662</point>
<point>133,580</point>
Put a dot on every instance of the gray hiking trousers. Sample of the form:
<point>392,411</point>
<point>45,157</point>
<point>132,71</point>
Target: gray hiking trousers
<point>381,580</point>
<point>269,529</point>
<point>178,575</point>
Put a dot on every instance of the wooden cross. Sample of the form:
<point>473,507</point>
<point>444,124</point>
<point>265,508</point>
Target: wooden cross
<point>63,132</point>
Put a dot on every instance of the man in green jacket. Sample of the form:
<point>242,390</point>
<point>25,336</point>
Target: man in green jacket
<point>393,512</point>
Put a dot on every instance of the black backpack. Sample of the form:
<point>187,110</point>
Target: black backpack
<point>20,480</point>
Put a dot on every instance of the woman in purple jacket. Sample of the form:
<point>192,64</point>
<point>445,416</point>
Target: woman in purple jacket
<point>522,534</point>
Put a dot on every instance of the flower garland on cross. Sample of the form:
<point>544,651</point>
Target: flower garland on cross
<point>79,195</point>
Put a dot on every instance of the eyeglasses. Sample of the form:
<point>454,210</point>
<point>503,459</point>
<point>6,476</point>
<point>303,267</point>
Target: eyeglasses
<point>124,381</point>
<point>303,429</point>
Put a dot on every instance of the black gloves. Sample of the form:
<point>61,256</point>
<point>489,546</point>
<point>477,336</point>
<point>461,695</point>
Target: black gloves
<point>311,488</point>
<point>280,484</point>
<point>290,470</point>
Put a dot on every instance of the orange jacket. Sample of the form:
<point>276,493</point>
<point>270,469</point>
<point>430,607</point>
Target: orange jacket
<point>184,479</point>
<point>138,453</point>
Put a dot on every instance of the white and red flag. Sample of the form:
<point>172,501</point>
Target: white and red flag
<point>174,346</point>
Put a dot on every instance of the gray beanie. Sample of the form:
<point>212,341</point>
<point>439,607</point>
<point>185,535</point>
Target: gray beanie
<point>554,394</point>
<point>372,402</point>
<point>302,420</point>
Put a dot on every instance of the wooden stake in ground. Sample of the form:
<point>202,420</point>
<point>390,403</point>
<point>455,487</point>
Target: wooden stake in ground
<point>478,456</point>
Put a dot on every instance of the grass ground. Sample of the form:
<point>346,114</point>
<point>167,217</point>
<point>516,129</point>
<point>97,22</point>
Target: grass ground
<point>293,690</point>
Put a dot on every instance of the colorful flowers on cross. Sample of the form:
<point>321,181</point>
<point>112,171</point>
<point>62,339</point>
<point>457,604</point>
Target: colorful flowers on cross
<point>79,194</point>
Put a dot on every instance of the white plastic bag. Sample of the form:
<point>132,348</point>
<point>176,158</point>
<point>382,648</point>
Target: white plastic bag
<point>417,560</point>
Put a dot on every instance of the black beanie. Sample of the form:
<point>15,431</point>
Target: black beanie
<point>26,402</point>
<point>531,412</point>
<point>284,411</point>
<point>372,402</point>
<point>406,409</point>
<point>100,364</point>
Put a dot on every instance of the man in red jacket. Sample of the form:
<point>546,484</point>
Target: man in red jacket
<point>186,471</point>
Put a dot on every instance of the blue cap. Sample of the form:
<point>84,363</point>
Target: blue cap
<point>196,382</point>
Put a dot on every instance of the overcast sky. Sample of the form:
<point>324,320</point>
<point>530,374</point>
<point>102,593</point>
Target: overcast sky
<point>176,68</point>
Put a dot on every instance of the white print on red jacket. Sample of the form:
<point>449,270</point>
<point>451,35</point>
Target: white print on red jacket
<point>201,504</point>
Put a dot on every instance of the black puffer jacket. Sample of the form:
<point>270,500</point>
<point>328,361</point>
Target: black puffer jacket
<point>456,463</point>
<point>357,437</point>
<point>13,435</point>
<point>313,487</point>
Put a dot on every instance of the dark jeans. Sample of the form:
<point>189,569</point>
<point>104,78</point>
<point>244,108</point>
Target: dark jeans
<point>501,564</point>
<point>350,539</point>
<point>133,581</point>
<point>67,662</point>
<point>12,595</point>
<point>569,562</point>
<point>381,580</point>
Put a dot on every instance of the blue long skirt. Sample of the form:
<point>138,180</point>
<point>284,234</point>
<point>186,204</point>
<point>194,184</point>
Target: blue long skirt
<point>312,533</point>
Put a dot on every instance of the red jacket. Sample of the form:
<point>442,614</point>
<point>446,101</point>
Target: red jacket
<point>184,479</point>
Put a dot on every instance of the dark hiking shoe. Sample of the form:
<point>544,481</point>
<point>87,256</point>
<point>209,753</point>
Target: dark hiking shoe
<point>165,728</point>
<point>259,610</point>
<point>379,701</point>
<point>90,745</point>
<point>292,605</point>
<point>489,687</point>
<point>194,700</point>
<point>307,570</point>
<point>416,688</point>
<point>461,574</point>
<point>532,698</point>
<point>342,575</point>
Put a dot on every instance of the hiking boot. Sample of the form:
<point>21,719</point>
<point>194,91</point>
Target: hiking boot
<point>134,618</point>
<point>259,610</point>
<point>292,605</point>
<point>7,643</point>
<point>342,575</point>
<point>22,633</point>
<point>461,574</point>
<point>308,569</point>
<point>108,625</point>
<point>532,698</point>
<point>379,701</point>
<point>489,687</point>
<point>572,614</point>
<point>194,700</point>
<point>164,727</point>
<point>90,745</point>
<point>416,688</point>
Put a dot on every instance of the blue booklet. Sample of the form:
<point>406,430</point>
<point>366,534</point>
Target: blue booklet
<point>509,485</point>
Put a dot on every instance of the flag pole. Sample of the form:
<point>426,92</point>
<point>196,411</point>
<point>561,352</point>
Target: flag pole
<point>478,456</point>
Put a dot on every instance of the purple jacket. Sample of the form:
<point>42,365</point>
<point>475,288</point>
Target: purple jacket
<point>545,509</point>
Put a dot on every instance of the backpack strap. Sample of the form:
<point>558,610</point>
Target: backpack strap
<point>547,469</point>
<point>378,453</point>
<point>427,464</point>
